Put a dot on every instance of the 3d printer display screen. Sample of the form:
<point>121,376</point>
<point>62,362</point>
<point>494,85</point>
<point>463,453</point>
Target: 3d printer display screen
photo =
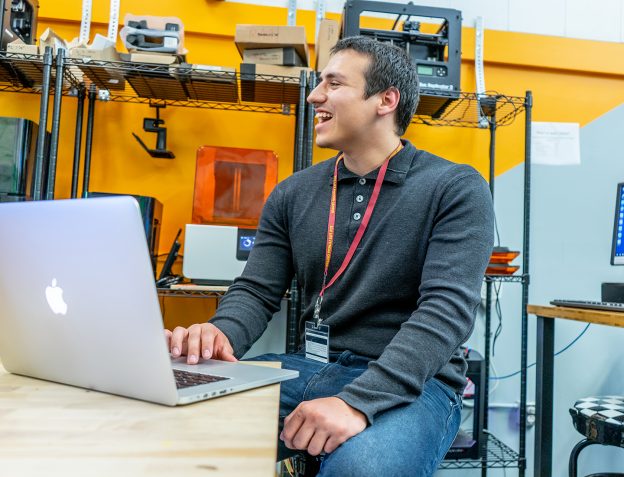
<point>246,242</point>
<point>424,70</point>
<point>618,226</point>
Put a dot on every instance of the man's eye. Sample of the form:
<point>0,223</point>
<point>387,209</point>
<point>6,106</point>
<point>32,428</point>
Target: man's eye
<point>333,84</point>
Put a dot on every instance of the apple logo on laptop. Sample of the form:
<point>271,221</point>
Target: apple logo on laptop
<point>54,296</point>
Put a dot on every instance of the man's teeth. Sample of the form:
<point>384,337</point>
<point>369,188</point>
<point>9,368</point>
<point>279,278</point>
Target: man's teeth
<point>323,116</point>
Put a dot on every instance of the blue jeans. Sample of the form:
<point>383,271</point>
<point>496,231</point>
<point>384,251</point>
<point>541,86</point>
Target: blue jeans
<point>408,440</point>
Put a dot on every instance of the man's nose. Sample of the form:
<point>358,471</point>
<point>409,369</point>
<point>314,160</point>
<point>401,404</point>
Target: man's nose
<point>315,96</point>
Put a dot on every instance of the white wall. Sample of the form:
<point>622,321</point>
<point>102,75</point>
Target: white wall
<point>571,227</point>
<point>591,20</point>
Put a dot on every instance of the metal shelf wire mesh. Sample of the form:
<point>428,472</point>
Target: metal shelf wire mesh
<point>206,292</point>
<point>181,293</point>
<point>507,278</point>
<point>468,109</point>
<point>498,456</point>
<point>189,86</point>
<point>144,83</point>
<point>186,86</point>
<point>24,73</point>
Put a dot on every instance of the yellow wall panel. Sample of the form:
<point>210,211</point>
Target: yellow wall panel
<point>572,80</point>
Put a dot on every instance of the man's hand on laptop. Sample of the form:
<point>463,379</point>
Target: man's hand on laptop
<point>203,340</point>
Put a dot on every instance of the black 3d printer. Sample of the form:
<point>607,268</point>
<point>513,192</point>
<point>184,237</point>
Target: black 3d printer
<point>470,442</point>
<point>18,19</point>
<point>437,55</point>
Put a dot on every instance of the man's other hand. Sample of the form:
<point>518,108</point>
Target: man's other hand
<point>321,425</point>
<point>197,340</point>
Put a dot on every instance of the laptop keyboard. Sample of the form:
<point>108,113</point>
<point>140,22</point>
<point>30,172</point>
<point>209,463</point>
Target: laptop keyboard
<point>186,379</point>
<point>592,305</point>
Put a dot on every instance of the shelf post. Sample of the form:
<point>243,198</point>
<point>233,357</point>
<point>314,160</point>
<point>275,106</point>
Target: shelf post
<point>89,140</point>
<point>78,140</point>
<point>526,278</point>
<point>292,318</point>
<point>300,124</point>
<point>492,123</point>
<point>294,308</point>
<point>487,345</point>
<point>488,289</point>
<point>56,123</point>
<point>309,124</point>
<point>40,158</point>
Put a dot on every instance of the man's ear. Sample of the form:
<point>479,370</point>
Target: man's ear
<point>389,101</point>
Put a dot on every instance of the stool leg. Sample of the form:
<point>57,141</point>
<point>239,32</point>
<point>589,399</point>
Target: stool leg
<point>574,455</point>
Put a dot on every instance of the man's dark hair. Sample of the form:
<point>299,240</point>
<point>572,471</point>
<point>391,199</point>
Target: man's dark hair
<point>389,66</point>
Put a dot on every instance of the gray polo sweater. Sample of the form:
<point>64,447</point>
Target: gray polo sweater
<point>409,296</point>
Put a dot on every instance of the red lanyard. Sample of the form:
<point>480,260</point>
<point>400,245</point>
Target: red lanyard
<point>359,234</point>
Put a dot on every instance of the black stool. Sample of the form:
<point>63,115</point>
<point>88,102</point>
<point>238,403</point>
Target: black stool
<point>601,420</point>
<point>302,465</point>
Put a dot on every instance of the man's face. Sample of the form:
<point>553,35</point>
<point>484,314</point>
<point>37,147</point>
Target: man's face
<point>343,115</point>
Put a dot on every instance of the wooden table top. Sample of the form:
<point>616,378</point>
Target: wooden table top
<point>56,430</point>
<point>600,317</point>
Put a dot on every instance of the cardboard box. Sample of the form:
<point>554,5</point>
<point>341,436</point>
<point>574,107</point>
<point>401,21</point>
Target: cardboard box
<point>152,58</point>
<point>249,37</point>
<point>93,54</point>
<point>223,74</point>
<point>207,82</point>
<point>204,73</point>
<point>49,38</point>
<point>19,47</point>
<point>274,70</point>
<point>275,85</point>
<point>328,36</point>
<point>273,56</point>
<point>31,74</point>
<point>91,65</point>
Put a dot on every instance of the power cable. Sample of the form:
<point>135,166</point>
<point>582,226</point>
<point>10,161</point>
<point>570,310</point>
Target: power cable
<point>567,347</point>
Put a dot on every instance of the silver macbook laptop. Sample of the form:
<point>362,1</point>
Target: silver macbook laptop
<point>79,306</point>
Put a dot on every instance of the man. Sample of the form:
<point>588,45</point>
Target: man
<point>390,255</point>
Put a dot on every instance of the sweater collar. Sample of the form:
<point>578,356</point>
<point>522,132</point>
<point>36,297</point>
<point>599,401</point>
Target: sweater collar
<point>397,168</point>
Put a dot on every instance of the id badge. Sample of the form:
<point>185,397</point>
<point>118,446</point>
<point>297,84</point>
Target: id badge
<point>317,342</point>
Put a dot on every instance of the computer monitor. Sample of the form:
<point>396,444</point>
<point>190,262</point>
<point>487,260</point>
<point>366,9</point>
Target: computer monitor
<point>151,212</point>
<point>18,143</point>
<point>617,244</point>
<point>166,272</point>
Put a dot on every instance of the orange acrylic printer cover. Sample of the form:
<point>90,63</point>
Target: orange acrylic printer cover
<point>503,257</point>
<point>232,185</point>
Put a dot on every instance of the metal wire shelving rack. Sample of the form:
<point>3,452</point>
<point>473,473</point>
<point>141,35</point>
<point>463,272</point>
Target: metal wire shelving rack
<point>185,85</point>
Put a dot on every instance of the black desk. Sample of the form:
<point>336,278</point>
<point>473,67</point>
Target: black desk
<point>545,354</point>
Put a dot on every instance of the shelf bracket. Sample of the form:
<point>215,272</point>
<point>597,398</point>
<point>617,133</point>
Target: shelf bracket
<point>479,72</point>
<point>320,14</point>
<point>85,21</point>
<point>292,12</point>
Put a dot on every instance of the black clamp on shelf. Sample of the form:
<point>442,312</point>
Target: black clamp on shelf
<point>156,125</point>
